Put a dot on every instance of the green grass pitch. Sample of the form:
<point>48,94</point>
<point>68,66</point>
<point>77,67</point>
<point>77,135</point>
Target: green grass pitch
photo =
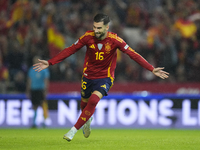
<point>100,139</point>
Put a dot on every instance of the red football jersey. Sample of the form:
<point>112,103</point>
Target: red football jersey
<point>101,55</point>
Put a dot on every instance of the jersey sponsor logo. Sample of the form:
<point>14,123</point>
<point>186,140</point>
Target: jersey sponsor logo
<point>104,86</point>
<point>126,46</point>
<point>92,46</point>
<point>76,42</point>
<point>83,118</point>
<point>107,47</point>
<point>100,46</point>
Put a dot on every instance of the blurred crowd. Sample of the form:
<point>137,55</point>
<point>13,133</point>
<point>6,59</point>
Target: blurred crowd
<point>165,32</point>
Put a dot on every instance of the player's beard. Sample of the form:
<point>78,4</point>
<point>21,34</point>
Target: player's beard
<point>101,34</point>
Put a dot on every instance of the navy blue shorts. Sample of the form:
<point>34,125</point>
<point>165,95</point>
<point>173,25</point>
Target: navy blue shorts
<point>88,86</point>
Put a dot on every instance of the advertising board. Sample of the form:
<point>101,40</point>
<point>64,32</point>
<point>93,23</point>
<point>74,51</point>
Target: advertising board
<point>113,111</point>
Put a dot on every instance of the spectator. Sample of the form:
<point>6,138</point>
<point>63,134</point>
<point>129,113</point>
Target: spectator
<point>4,76</point>
<point>15,59</point>
<point>19,82</point>
<point>166,29</point>
<point>194,74</point>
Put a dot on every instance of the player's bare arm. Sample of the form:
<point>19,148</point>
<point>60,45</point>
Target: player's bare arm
<point>160,73</point>
<point>43,64</point>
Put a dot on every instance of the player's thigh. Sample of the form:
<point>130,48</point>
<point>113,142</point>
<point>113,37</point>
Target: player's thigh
<point>86,88</point>
<point>103,85</point>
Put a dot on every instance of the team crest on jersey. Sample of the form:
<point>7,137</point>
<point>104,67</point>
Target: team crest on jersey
<point>100,46</point>
<point>107,47</point>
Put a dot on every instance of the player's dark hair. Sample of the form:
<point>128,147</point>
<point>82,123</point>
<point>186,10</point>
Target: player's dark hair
<point>102,18</point>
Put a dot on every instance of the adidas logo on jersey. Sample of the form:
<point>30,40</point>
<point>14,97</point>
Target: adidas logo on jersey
<point>92,46</point>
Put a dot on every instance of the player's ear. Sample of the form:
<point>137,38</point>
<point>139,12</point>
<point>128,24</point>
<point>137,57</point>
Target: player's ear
<point>107,27</point>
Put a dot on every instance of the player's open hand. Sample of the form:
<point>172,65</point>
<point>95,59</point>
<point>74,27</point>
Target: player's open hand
<point>160,73</point>
<point>43,64</point>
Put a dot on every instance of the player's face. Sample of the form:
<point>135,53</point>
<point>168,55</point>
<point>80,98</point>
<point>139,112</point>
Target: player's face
<point>100,30</point>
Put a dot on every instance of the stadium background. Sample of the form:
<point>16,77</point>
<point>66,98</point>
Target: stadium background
<point>165,32</point>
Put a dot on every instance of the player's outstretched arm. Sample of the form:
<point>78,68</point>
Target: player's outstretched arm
<point>160,73</point>
<point>43,64</point>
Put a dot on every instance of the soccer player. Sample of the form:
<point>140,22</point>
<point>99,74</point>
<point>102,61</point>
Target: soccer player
<point>99,67</point>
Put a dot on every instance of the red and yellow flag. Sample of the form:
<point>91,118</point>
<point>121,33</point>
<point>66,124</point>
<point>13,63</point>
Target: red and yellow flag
<point>56,41</point>
<point>18,12</point>
<point>186,28</point>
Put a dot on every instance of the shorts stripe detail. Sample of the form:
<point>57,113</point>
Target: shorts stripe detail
<point>109,75</point>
